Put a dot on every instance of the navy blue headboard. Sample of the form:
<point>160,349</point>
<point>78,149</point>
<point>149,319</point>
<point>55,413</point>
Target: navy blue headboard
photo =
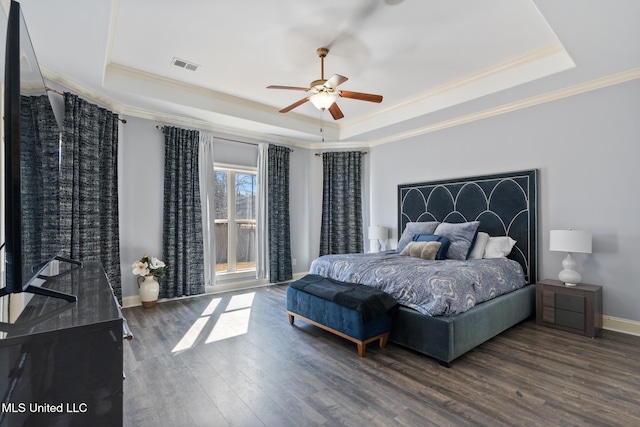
<point>505,204</point>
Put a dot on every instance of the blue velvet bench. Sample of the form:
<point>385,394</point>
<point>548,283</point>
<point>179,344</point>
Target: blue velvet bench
<point>358,313</point>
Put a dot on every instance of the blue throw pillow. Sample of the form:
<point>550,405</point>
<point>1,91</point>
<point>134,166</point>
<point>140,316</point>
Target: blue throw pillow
<point>413,228</point>
<point>444,243</point>
<point>461,236</point>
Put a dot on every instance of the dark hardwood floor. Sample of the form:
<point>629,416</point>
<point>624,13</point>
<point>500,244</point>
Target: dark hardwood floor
<point>233,359</point>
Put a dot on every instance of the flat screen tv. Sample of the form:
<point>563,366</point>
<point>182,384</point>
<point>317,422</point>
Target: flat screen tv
<point>32,168</point>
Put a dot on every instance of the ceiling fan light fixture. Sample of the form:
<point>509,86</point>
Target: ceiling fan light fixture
<point>323,100</point>
<point>323,93</point>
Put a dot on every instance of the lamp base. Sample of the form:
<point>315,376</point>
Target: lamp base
<point>569,275</point>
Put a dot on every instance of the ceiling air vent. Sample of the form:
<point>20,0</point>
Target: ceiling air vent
<point>184,64</point>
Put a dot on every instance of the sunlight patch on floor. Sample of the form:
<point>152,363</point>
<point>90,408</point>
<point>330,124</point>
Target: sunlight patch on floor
<point>240,301</point>
<point>211,307</point>
<point>235,320</point>
<point>232,323</point>
<point>189,339</point>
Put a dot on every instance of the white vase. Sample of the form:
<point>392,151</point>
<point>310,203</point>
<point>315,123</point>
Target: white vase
<point>149,290</point>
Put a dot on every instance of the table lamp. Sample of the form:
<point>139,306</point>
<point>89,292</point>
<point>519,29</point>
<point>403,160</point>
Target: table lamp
<point>376,234</point>
<point>570,241</point>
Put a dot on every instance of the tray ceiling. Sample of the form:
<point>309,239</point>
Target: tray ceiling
<point>424,57</point>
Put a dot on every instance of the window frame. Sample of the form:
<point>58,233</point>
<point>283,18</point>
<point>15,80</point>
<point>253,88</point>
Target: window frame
<point>233,169</point>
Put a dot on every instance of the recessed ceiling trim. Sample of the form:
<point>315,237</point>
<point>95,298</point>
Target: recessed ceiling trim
<point>80,89</point>
<point>210,127</point>
<point>113,25</point>
<point>523,69</point>
<point>124,109</point>
<point>535,65</point>
<point>514,106</point>
<point>585,87</point>
<point>122,78</point>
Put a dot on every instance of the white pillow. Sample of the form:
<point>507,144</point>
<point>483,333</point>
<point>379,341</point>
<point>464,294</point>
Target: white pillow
<point>498,247</point>
<point>479,247</point>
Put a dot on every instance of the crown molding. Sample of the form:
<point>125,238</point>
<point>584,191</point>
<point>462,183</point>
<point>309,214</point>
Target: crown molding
<point>208,127</point>
<point>82,90</point>
<point>168,83</point>
<point>578,89</point>
<point>123,109</point>
<point>120,77</point>
<point>532,66</point>
<point>463,82</point>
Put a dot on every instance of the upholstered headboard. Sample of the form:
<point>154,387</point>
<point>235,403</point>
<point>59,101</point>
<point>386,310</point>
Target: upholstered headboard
<point>505,204</point>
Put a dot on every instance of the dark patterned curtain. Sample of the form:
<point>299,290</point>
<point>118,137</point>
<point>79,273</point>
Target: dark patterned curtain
<point>182,243</point>
<point>280,268</point>
<point>89,186</point>
<point>40,180</point>
<point>341,230</point>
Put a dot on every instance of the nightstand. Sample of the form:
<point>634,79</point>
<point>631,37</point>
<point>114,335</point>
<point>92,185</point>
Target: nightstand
<point>576,309</point>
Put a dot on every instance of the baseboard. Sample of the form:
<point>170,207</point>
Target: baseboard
<point>298,276</point>
<point>609,323</point>
<point>617,324</point>
<point>131,301</point>
<point>134,300</point>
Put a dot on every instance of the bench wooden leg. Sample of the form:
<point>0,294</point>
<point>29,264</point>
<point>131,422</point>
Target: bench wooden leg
<point>362,345</point>
<point>383,340</point>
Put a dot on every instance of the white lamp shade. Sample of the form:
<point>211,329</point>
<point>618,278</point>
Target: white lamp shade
<point>377,233</point>
<point>570,241</point>
<point>323,100</point>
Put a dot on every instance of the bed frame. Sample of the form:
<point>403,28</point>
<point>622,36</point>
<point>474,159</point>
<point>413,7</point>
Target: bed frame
<point>506,205</point>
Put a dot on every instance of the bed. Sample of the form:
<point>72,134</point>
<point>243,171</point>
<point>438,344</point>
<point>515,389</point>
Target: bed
<point>505,206</point>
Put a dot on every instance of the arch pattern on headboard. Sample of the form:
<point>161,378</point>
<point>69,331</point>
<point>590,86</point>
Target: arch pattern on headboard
<point>505,204</point>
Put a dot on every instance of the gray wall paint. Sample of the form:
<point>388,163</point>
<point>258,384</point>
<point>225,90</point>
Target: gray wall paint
<point>141,193</point>
<point>587,148</point>
<point>141,185</point>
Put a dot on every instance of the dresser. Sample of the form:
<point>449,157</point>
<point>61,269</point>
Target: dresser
<point>576,309</point>
<point>60,362</point>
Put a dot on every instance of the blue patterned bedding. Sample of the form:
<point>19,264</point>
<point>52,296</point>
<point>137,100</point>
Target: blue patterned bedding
<point>434,288</point>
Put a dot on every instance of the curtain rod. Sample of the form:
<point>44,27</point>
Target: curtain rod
<point>62,94</point>
<point>225,139</point>
<point>54,91</point>
<point>320,154</point>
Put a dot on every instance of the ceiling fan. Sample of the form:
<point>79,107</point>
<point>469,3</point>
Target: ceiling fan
<point>323,93</point>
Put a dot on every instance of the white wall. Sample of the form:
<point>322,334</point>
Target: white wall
<point>587,149</point>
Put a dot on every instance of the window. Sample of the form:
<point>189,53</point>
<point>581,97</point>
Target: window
<point>235,229</point>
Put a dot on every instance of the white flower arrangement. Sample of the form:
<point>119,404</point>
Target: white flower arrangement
<point>149,266</point>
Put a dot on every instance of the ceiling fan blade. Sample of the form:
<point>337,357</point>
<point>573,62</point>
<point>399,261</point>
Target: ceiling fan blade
<point>335,111</point>
<point>361,96</point>
<point>288,87</point>
<point>335,81</point>
<point>294,105</point>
